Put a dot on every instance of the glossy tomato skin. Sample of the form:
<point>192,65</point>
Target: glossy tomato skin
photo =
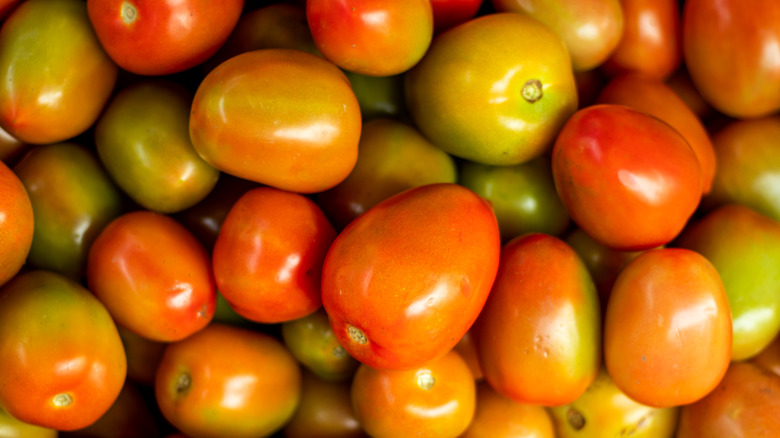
<point>405,281</point>
<point>56,77</point>
<point>281,142</point>
<point>725,47</point>
<point>610,158</point>
<point>268,256</point>
<point>745,404</point>
<point>435,399</point>
<point>252,370</point>
<point>153,276</point>
<point>667,329</point>
<point>16,225</point>
<point>371,37</point>
<point>10,148</point>
<point>539,334</point>
<point>514,76</point>
<point>13,428</point>
<point>499,416</point>
<point>325,411</point>
<point>63,361</point>
<point>161,37</point>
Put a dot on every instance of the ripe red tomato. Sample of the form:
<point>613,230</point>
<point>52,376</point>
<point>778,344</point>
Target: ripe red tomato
<point>627,179</point>
<point>153,276</point>
<point>159,37</point>
<point>667,330</point>
<point>404,281</point>
<point>16,224</point>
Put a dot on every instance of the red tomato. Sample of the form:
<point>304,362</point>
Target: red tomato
<point>667,330</point>
<point>269,253</point>
<point>153,276</point>
<point>371,37</point>
<point>627,179</point>
<point>450,13</point>
<point>404,281</point>
<point>159,37</point>
<point>16,224</point>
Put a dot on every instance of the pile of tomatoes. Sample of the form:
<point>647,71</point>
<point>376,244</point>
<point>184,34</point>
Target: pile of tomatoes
<point>439,218</point>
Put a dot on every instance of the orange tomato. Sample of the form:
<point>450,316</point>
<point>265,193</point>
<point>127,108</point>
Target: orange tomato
<point>16,224</point>
<point>498,416</point>
<point>769,358</point>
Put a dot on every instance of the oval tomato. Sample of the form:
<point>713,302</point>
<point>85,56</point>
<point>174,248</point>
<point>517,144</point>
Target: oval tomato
<point>16,224</point>
<point>499,416</point>
<point>405,281</point>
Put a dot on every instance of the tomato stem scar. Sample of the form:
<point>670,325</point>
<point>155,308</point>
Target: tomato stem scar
<point>576,420</point>
<point>356,335</point>
<point>62,400</point>
<point>129,12</point>
<point>183,383</point>
<point>425,380</point>
<point>532,90</point>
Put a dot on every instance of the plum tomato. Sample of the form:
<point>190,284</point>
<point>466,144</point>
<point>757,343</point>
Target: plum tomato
<point>371,37</point>
<point>56,77</point>
<point>269,253</point>
<point>437,398</point>
<point>153,276</point>
<point>626,178</point>
<point>280,117</point>
<point>325,411</point>
<point>499,416</point>
<point>539,334</point>
<point>404,281</point>
<point>667,329</point>
<point>160,37</point>
<point>515,89</point>
<point>16,224</point>
<point>63,364</point>
<point>228,381</point>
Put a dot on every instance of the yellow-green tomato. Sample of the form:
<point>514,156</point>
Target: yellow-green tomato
<point>494,90</point>
<point>523,196</point>
<point>604,411</point>
<point>55,76</point>
<point>143,139</point>
<point>10,427</point>
<point>378,96</point>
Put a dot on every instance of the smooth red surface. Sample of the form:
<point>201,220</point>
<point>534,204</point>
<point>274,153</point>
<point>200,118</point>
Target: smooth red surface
<point>16,224</point>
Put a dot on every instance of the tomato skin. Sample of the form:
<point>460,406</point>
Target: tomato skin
<point>450,13</point>
<point>405,281</point>
<point>153,276</point>
<point>769,358</point>
<point>371,37</point>
<point>13,428</point>
<point>268,256</point>
<point>725,47</point>
<point>83,364</point>
<point>161,37</point>
<point>435,399</point>
<point>252,370</point>
<point>610,158</point>
<point>498,416</point>
<point>325,411</point>
<point>47,98</point>
<point>667,329</point>
<point>16,225</point>
<point>539,334</point>
<point>283,142</point>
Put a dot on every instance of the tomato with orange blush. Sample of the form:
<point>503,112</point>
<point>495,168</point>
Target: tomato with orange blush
<point>499,416</point>
<point>16,224</point>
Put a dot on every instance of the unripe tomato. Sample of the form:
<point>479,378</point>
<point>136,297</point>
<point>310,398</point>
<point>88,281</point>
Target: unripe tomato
<point>10,427</point>
<point>16,224</point>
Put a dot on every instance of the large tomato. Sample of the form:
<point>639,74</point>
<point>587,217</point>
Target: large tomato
<point>405,280</point>
<point>16,224</point>
<point>159,37</point>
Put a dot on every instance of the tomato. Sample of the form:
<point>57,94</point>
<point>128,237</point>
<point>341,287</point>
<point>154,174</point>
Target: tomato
<point>604,410</point>
<point>392,157</point>
<point>56,77</point>
<point>279,117</point>
<point>651,39</point>
<point>667,330</point>
<point>539,335</point>
<point>325,411</point>
<point>653,97</point>
<point>371,37</point>
<point>10,148</point>
<point>161,37</point>
<point>16,224</point>
<point>591,29</point>
<point>153,276</point>
<point>769,358</point>
<point>228,381</point>
<point>744,246</point>
<point>405,280</point>
<point>73,198</point>
<point>626,178</point>
<point>745,404</point>
<point>515,89</point>
<point>311,340</point>
<point>435,399</point>
<point>10,427</point>
<point>733,54</point>
<point>379,96</point>
<point>130,416</point>
<point>143,140</point>
<point>268,256</point>
<point>450,13</point>
<point>6,6</point>
<point>467,349</point>
<point>63,364</point>
<point>498,416</point>
<point>523,196</point>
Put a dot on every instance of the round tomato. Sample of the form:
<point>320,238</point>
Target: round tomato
<point>153,276</point>
<point>667,330</point>
<point>16,224</point>
<point>63,364</point>
<point>627,179</point>
<point>498,416</point>
<point>405,280</point>
<point>280,117</point>
<point>160,37</point>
